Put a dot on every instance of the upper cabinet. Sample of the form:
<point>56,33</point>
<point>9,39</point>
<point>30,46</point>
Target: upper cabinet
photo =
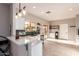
<point>20,24</point>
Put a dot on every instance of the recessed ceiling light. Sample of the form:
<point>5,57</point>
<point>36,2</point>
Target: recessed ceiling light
<point>70,9</point>
<point>34,6</point>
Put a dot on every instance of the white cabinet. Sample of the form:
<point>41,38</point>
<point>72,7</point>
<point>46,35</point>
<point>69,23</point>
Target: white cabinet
<point>18,50</point>
<point>63,31</point>
<point>36,50</point>
<point>77,38</point>
<point>20,24</point>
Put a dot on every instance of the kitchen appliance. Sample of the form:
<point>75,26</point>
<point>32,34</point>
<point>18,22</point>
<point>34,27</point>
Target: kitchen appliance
<point>56,35</point>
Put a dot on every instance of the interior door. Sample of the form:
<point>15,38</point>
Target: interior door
<point>63,33</point>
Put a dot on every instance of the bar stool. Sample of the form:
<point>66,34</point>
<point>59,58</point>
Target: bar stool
<point>4,46</point>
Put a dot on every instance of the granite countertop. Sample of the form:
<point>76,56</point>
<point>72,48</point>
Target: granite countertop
<point>25,40</point>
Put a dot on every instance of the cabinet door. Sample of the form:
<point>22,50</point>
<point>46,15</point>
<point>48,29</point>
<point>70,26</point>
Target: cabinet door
<point>20,24</point>
<point>63,31</point>
<point>36,50</point>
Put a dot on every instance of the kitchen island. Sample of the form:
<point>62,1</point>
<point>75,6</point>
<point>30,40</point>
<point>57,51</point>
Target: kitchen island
<point>26,46</point>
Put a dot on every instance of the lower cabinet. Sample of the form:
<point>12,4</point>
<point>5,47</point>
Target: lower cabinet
<point>31,49</point>
<point>18,50</point>
<point>36,50</point>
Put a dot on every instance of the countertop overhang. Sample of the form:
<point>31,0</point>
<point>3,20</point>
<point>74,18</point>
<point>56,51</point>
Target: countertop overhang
<point>25,40</point>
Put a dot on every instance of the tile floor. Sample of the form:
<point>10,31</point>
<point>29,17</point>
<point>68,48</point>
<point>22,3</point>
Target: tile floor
<point>53,48</point>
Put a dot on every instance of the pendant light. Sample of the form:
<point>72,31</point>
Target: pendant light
<point>22,12</point>
<point>16,16</point>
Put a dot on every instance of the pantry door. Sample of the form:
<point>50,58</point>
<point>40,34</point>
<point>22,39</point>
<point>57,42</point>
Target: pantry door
<point>63,32</point>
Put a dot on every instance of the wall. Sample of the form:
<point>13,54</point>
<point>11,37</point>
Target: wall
<point>4,19</point>
<point>13,13</point>
<point>70,22</point>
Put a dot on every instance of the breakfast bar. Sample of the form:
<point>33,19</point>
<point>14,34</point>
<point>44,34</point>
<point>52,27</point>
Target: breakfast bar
<point>26,46</point>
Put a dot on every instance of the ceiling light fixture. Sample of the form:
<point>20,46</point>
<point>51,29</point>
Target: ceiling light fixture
<point>16,16</point>
<point>34,7</point>
<point>19,14</point>
<point>70,9</point>
<point>21,11</point>
<point>24,10</point>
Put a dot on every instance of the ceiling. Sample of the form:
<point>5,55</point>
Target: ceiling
<point>56,11</point>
